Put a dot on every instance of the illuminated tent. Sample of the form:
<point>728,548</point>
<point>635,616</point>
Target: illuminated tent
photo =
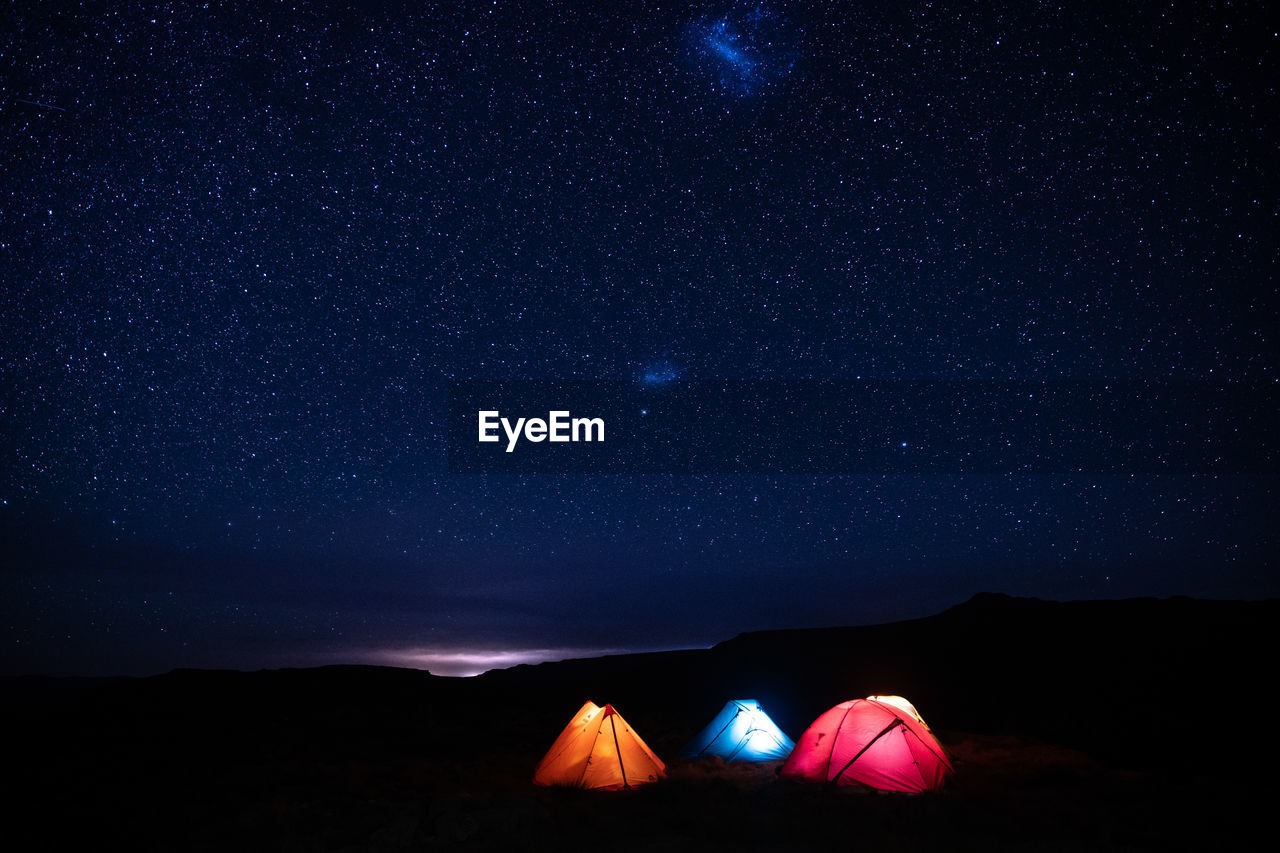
<point>742,731</point>
<point>869,742</point>
<point>902,705</point>
<point>598,750</point>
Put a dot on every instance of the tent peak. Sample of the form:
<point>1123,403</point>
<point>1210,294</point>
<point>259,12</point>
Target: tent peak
<point>597,751</point>
<point>742,731</point>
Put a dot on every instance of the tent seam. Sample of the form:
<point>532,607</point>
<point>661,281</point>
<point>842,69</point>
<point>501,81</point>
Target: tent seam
<point>897,721</point>
<point>722,730</point>
<point>831,752</point>
<point>590,753</point>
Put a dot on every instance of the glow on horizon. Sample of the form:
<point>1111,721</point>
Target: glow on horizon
<point>464,663</point>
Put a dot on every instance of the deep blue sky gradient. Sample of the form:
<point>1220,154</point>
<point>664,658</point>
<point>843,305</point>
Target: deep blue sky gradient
<point>245,248</point>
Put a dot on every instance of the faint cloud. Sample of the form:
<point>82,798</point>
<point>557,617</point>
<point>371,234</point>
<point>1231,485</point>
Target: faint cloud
<point>468,662</point>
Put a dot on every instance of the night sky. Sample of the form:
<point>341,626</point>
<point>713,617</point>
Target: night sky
<point>246,247</point>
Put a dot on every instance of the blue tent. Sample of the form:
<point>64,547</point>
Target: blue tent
<point>742,731</point>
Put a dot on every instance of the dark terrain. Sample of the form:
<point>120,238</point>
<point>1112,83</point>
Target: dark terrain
<point>1086,725</point>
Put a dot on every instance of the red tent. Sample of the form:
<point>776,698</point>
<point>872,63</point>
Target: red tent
<point>867,742</point>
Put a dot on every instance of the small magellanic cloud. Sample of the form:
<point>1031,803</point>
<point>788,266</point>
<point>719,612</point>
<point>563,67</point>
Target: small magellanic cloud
<point>661,373</point>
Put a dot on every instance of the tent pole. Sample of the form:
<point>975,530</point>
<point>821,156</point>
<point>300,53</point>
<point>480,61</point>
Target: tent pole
<point>722,730</point>
<point>896,722</point>
<point>613,724</point>
<point>590,752</point>
<point>843,717</point>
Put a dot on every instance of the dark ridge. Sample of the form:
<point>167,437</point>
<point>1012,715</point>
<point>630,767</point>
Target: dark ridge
<point>994,664</point>
<point>35,693</point>
<point>1109,677</point>
<point>1075,720</point>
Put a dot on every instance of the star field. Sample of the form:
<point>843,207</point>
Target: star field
<point>244,249</point>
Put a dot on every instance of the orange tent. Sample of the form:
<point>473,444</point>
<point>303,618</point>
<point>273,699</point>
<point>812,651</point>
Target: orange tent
<point>599,750</point>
